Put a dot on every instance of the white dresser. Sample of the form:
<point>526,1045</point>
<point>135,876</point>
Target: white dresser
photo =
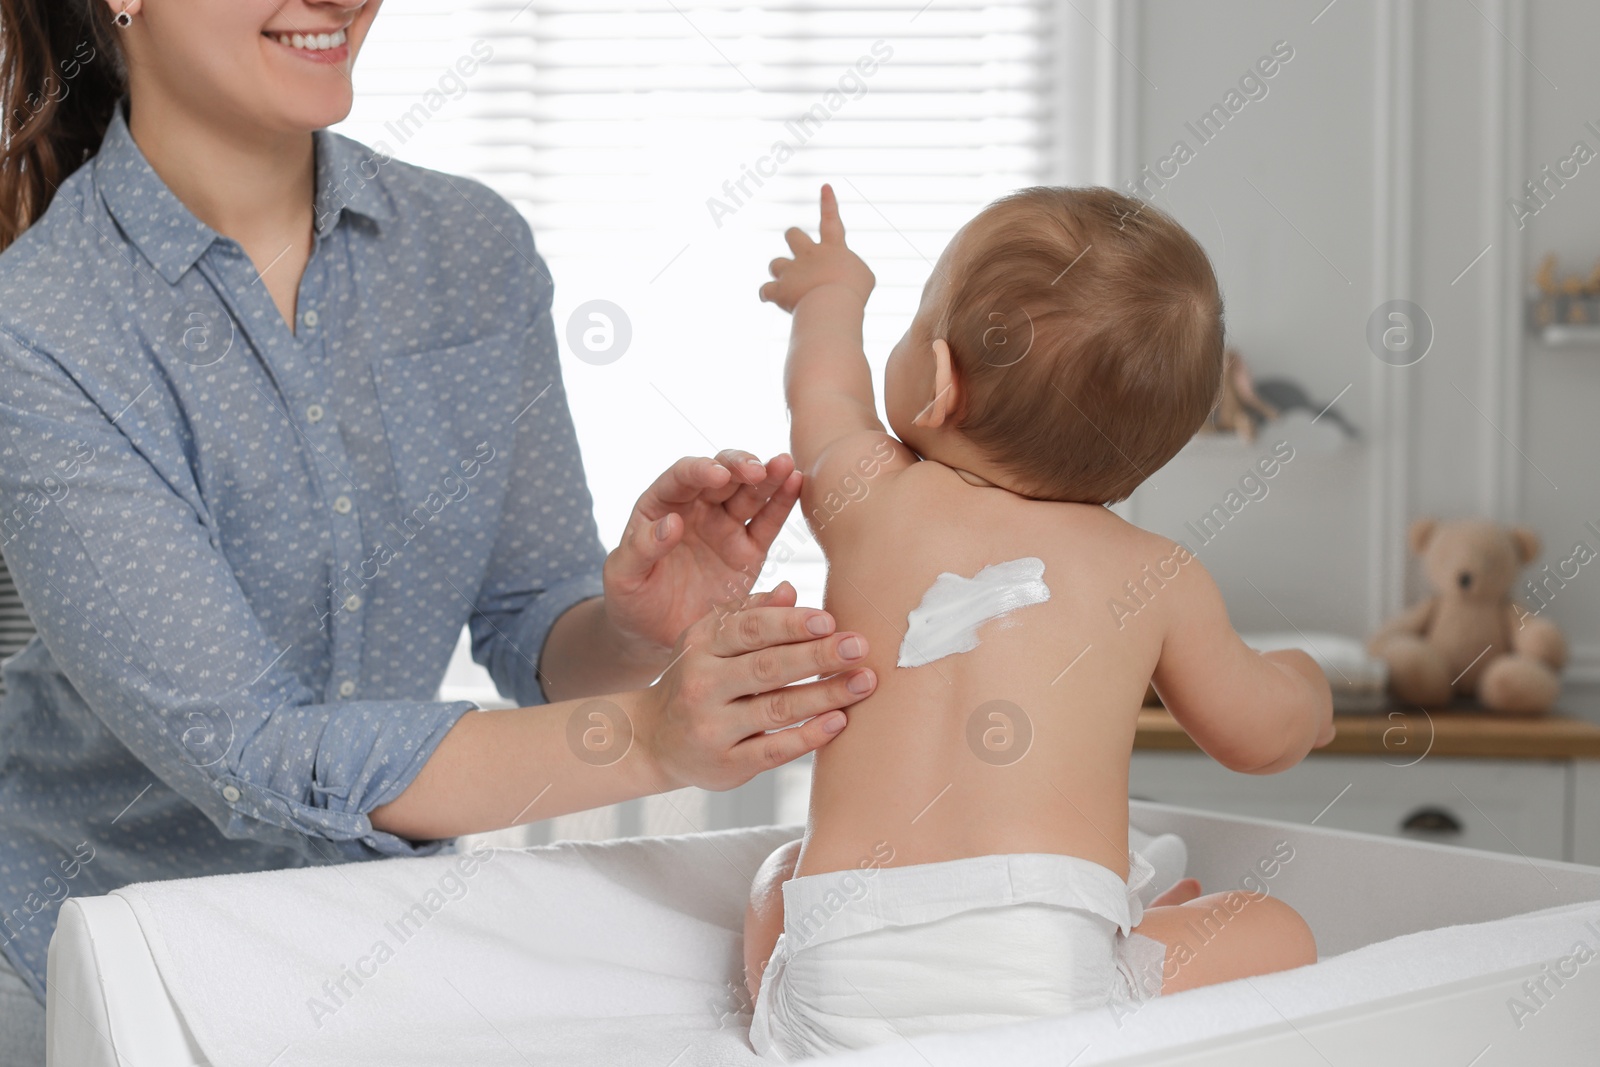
<point>1529,786</point>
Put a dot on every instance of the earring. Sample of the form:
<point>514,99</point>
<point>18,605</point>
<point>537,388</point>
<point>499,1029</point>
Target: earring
<point>123,19</point>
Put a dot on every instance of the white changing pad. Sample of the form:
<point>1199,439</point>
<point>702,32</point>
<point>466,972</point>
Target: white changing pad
<point>628,953</point>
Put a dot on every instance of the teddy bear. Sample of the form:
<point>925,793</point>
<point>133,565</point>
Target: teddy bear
<point>1470,638</point>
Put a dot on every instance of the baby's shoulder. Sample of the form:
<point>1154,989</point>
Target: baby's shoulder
<point>855,469</point>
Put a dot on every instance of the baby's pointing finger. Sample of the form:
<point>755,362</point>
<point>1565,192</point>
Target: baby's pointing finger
<point>832,225</point>
<point>778,266</point>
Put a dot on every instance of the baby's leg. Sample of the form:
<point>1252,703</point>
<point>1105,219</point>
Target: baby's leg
<point>1223,936</point>
<point>1182,891</point>
<point>763,918</point>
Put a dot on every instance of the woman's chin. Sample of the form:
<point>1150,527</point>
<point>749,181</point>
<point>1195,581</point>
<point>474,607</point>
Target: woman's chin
<point>310,107</point>
<point>304,95</point>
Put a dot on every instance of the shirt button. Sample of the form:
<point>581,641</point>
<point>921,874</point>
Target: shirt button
<point>314,413</point>
<point>309,318</point>
<point>230,793</point>
<point>347,688</point>
<point>352,603</point>
<point>341,504</point>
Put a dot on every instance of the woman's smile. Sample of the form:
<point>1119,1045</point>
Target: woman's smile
<point>316,47</point>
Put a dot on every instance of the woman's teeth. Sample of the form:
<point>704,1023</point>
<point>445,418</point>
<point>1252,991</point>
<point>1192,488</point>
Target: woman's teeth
<point>314,42</point>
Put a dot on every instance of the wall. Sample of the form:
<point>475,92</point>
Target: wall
<point>1377,165</point>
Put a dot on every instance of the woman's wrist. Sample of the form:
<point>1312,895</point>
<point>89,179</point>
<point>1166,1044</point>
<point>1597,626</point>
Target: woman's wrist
<point>654,776</point>
<point>639,659</point>
<point>587,654</point>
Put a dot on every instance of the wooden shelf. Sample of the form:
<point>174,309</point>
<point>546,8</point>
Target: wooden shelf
<point>1402,736</point>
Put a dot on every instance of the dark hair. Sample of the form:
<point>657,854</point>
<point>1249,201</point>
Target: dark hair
<point>1086,329</point>
<point>61,73</point>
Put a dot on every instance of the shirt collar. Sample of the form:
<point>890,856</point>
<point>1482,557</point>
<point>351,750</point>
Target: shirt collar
<point>349,178</point>
<point>172,238</point>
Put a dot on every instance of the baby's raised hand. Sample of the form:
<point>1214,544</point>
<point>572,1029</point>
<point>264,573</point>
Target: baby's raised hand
<point>829,263</point>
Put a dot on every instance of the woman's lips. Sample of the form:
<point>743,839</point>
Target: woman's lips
<point>313,47</point>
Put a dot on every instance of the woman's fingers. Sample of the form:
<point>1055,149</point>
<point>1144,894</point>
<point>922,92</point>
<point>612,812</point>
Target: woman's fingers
<point>765,620</point>
<point>656,526</point>
<point>643,545</point>
<point>679,484</point>
<point>796,703</point>
<point>733,681</point>
<point>747,470</point>
<point>785,650</point>
<point>748,500</point>
<point>766,751</point>
<point>782,595</point>
<point>773,512</point>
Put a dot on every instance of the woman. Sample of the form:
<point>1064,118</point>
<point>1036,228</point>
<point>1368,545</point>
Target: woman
<point>278,416</point>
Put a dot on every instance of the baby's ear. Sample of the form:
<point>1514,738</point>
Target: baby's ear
<point>945,390</point>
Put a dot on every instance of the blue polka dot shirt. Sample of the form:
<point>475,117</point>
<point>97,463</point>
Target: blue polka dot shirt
<point>248,549</point>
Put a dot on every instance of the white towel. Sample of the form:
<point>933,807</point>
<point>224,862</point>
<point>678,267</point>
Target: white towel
<point>602,952</point>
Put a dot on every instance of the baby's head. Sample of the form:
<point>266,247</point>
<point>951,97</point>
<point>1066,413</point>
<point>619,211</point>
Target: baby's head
<point>1068,343</point>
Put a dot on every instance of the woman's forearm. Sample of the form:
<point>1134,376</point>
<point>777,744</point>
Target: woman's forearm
<point>584,655</point>
<point>503,768</point>
<point>713,721</point>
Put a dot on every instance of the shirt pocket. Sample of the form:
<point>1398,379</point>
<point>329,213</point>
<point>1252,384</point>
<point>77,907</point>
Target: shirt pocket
<point>448,417</point>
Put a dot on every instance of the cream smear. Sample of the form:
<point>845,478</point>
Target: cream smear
<point>947,620</point>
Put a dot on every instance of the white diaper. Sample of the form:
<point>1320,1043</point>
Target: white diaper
<point>874,955</point>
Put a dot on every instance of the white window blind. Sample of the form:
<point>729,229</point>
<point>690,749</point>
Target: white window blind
<point>660,149</point>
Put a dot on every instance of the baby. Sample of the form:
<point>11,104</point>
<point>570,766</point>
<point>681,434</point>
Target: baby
<point>966,860</point>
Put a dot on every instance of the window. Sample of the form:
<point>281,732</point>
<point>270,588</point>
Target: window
<point>660,149</point>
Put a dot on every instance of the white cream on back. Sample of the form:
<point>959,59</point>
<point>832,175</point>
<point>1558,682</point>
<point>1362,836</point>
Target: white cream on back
<point>947,620</point>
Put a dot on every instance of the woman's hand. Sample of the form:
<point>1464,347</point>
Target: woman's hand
<point>705,720</point>
<point>829,263</point>
<point>696,538</point>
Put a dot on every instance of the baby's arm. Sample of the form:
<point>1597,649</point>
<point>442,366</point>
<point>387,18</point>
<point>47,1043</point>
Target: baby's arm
<point>1255,712</point>
<point>832,416</point>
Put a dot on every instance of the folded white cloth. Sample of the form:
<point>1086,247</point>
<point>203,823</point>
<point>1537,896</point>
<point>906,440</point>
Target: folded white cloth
<point>1168,857</point>
<point>873,955</point>
<point>1359,679</point>
<point>617,952</point>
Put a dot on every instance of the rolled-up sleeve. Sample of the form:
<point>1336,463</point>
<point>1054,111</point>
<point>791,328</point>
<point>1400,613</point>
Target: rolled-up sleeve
<point>548,556</point>
<point>126,582</point>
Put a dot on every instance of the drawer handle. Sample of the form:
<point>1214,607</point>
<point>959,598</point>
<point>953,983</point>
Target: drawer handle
<point>1431,821</point>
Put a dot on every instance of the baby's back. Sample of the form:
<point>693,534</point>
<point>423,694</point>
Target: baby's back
<point>1020,744</point>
